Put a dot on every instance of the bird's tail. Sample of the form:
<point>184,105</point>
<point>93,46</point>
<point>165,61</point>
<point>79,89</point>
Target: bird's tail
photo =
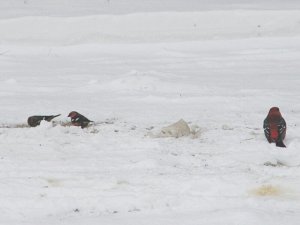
<point>56,115</point>
<point>280,144</point>
<point>49,118</point>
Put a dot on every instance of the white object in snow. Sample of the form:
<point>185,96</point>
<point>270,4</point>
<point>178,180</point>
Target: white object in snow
<point>178,129</point>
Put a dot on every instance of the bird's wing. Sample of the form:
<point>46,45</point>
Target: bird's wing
<point>266,127</point>
<point>281,127</point>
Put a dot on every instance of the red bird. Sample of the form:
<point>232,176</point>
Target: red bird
<point>275,127</point>
<point>79,120</point>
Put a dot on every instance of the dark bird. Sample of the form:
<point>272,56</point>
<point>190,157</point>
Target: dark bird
<point>275,127</point>
<point>34,121</point>
<point>79,120</point>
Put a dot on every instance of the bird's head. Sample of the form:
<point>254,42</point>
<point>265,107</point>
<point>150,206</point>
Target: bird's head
<point>73,114</point>
<point>274,112</point>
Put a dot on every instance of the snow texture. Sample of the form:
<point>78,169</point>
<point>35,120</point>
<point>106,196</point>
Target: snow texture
<point>135,67</point>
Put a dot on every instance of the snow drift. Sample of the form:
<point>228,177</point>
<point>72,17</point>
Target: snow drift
<point>149,27</point>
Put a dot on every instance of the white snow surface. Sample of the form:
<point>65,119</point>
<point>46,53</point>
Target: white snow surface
<point>134,67</point>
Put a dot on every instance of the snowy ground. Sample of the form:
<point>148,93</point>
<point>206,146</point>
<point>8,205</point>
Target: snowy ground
<point>220,70</point>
